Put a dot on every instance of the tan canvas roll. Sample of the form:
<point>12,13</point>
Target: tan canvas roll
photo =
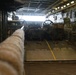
<point>12,52</point>
<point>15,41</point>
<point>7,69</point>
<point>11,47</point>
<point>19,33</point>
<point>12,59</point>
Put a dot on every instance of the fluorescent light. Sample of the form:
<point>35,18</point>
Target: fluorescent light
<point>9,19</point>
<point>31,18</point>
<point>68,4</point>
<point>64,6</point>
<point>72,2</point>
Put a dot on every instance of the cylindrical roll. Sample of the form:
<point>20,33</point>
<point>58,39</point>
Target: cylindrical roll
<point>11,47</point>
<point>12,52</point>
<point>7,69</point>
<point>12,59</point>
<point>19,33</point>
<point>16,41</point>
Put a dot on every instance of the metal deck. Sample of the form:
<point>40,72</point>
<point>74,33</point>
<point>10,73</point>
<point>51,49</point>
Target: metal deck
<point>50,58</point>
<point>49,51</point>
<point>48,68</point>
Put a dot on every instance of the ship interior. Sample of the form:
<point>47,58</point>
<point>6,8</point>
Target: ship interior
<point>49,34</point>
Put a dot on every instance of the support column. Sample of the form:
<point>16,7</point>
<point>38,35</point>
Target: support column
<point>4,25</point>
<point>0,26</point>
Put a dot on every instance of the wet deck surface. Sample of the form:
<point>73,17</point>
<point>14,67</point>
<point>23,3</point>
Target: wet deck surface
<point>49,50</point>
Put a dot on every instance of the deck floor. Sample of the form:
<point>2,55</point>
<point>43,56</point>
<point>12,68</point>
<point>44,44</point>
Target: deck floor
<point>50,58</point>
<point>49,68</point>
<point>49,50</point>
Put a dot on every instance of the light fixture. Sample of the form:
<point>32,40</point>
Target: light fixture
<point>68,4</point>
<point>64,6</point>
<point>58,7</point>
<point>55,8</point>
<point>31,18</point>
<point>72,2</point>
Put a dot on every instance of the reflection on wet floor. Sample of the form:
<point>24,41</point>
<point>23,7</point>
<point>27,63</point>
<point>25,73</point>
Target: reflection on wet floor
<point>49,50</point>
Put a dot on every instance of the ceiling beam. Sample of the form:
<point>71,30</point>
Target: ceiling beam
<point>44,11</point>
<point>38,7</point>
<point>29,6</point>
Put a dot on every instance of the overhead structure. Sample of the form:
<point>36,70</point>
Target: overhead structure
<point>42,7</point>
<point>35,7</point>
<point>10,5</point>
<point>62,5</point>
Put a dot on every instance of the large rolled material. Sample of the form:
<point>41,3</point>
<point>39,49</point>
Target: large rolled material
<point>15,41</point>
<point>17,32</point>
<point>7,69</point>
<point>12,52</point>
<point>12,48</point>
<point>12,59</point>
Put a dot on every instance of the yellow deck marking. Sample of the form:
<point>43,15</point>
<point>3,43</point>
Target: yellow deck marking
<point>51,50</point>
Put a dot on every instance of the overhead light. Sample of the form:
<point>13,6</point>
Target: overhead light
<point>32,18</point>
<point>58,7</point>
<point>64,6</point>
<point>72,2</point>
<point>68,4</point>
<point>61,7</point>
<point>55,8</point>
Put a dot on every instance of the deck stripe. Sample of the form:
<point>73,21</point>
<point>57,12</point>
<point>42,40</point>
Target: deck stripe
<point>51,50</point>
